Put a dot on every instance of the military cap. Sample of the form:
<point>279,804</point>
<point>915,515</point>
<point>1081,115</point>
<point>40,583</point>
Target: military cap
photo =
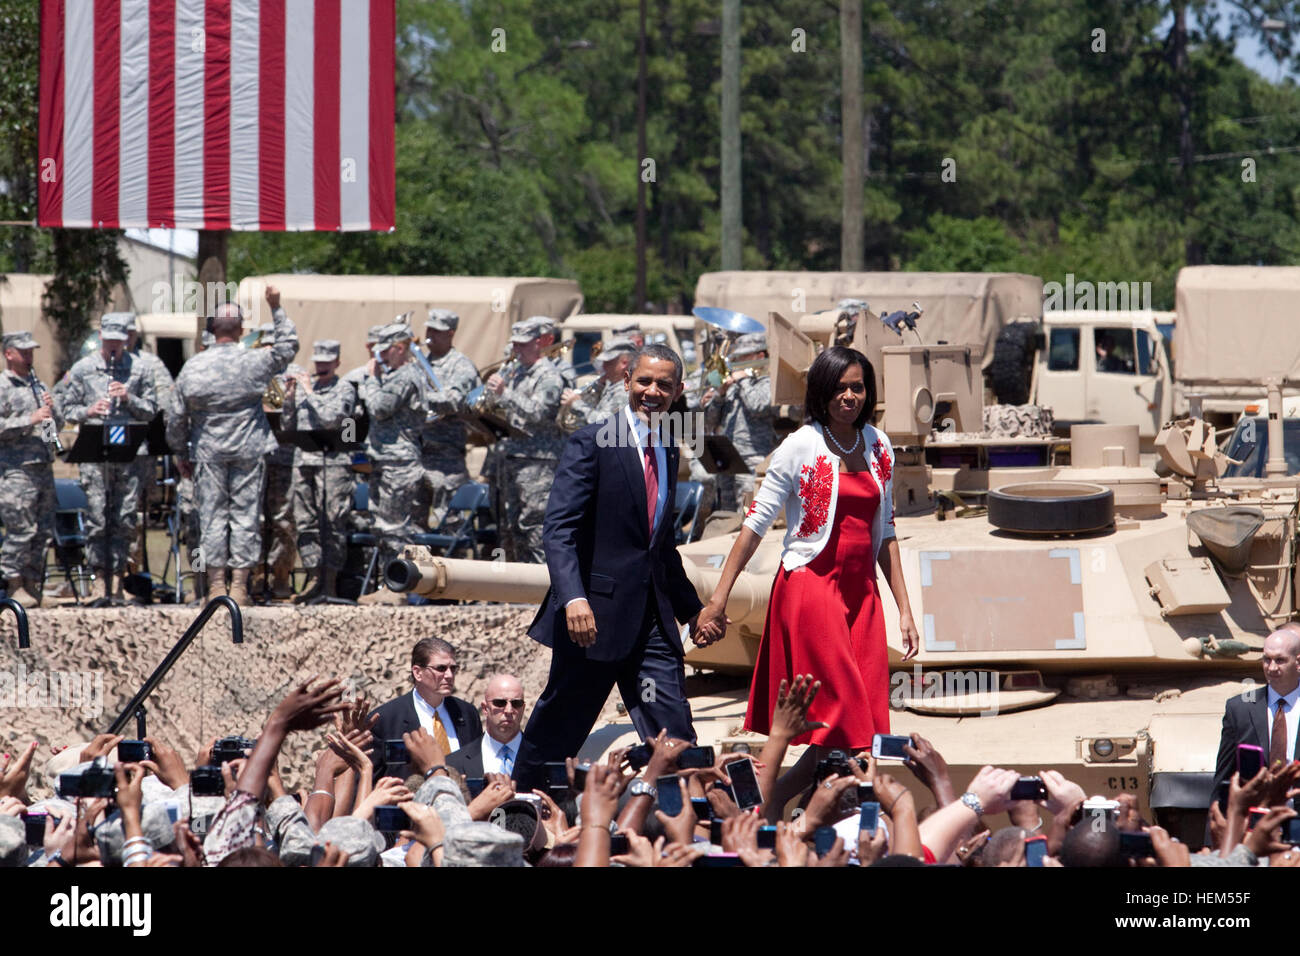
<point>750,344</point>
<point>325,350</point>
<point>288,825</point>
<point>615,347</point>
<point>521,817</point>
<point>442,320</point>
<point>394,333</point>
<point>481,844</point>
<point>631,328</point>
<point>112,327</point>
<point>524,331</point>
<point>125,319</point>
<point>355,837</point>
<point>13,842</point>
<point>445,797</point>
<point>20,340</point>
<point>373,333</point>
<point>155,823</point>
<point>852,305</point>
<point>544,324</point>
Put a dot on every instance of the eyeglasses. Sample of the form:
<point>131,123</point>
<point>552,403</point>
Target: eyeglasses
<point>441,668</point>
<point>500,703</point>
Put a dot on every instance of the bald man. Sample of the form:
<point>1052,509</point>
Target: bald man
<point>503,719</point>
<point>1264,717</point>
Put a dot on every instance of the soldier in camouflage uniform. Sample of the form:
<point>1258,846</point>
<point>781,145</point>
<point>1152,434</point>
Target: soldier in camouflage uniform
<point>29,424</point>
<point>216,427</point>
<point>632,332</point>
<point>361,521</point>
<point>278,536</point>
<point>146,465</point>
<point>108,388</point>
<point>443,438</point>
<point>529,401</point>
<point>187,511</point>
<point>608,394</point>
<point>395,397</point>
<point>322,488</point>
<point>707,480</point>
<point>547,331</point>
<point>743,406</point>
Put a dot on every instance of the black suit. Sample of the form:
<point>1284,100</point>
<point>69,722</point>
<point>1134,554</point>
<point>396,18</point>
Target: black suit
<point>398,717</point>
<point>1245,721</point>
<point>599,547</point>
<point>468,760</point>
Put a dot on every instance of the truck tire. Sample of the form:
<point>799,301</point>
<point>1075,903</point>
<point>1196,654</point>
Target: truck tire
<point>1051,507</point>
<point>1013,363</point>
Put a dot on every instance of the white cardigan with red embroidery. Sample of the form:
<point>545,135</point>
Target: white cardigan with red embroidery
<point>804,478</point>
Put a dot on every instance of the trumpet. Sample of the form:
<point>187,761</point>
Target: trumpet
<point>49,427</point>
<point>570,418</point>
<point>717,370</point>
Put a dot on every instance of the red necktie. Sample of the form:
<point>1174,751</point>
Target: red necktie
<point>651,483</point>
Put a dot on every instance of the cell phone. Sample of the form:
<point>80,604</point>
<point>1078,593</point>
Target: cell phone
<point>391,820</point>
<point>889,746</point>
<point>718,861</point>
<point>207,782</point>
<point>824,840</point>
<point>1250,760</point>
<point>1291,831</point>
<point>670,795</point>
<point>869,817</point>
<point>703,810</point>
<point>133,751</point>
<point>1036,850</point>
<point>715,831</point>
<point>866,793</point>
<point>396,754</point>
<point>1029,788</point>
<point>767,838</point>
<point>618,844</point>
<point>744,783</point>
<point>475,786</point>
<point>34,827</point>
<point>639,756</point>
<point>1132,844</point>
<point>580,776</point>
<point>1256,814</point>
<point>695,758</point>
<point>557,777</point>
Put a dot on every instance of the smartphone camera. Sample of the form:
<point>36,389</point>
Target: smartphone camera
<point>1036,850</point>
<point>889,746</point>
<point>395,754</point>
<point>134,751</point>
<point>695,758</point>
<point>618,844</point>
<point>580,776</point>
<point>34,828</point>
<point>391,820</point>
<point>1135,845</point>
<point>557,778</point>
<point>703,810</point>
<point>1029,788</point>
<point>767,838</point>
<point>869,817</point>
<point>639,756</point>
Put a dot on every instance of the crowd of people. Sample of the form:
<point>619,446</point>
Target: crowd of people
<point>438,799</point>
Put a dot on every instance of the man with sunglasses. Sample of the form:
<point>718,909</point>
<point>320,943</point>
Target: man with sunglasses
<point>451,722</point>
<point>503,718</point>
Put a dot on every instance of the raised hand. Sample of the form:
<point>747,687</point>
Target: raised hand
<point>929,767</point>
<point>790,716</point>
<point>307,707</point>
<point>13,773</point>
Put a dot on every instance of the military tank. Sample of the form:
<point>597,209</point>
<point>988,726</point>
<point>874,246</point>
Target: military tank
<point>1078,612</point>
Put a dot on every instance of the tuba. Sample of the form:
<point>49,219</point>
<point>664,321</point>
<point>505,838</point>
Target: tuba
<point>481,401</point>
<point>570,419</point>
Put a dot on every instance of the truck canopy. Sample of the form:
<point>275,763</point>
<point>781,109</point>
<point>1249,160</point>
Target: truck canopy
<point>1237,323</point>
<point>343,307</point>
<point>961,308</point>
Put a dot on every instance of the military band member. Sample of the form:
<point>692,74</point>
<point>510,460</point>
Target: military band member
<point>28,429</point>
<point>278,537</point>
<point>322,488</point>
<point>394,392</point>
<point>529,400</point>
<point>146,465</point>
<point>109,388</point>
<point>630,331</point>
<point>743,406</point>
<point>444,436</point>
<point>547,331</point>
<point>216,427</point>
<point>608,394</point>
<point>707,480</point>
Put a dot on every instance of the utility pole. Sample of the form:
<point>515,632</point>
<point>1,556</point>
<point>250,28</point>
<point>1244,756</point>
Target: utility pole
<point>852,226</point>
<point>731,244</point>
<point>640,164</point>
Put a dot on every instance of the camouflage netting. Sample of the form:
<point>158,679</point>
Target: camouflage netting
<point>219,688</point>
<point>1018,421</point>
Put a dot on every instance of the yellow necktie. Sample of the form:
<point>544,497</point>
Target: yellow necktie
<point>440,734</point>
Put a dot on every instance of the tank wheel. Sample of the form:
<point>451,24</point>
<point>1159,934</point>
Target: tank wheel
<point>1013,362</point>
<point>1051,507</point>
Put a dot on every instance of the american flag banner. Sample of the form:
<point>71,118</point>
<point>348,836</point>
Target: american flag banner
<point>217,114</point>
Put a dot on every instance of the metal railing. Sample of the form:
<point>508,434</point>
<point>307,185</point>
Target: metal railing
<point>20,612</point>
<point>236,635</point>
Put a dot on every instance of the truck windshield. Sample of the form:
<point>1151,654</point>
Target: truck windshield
<point>1249,445</point>
<point>1063,351</point>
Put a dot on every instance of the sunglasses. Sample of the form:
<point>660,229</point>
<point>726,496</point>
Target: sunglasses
<point>441,668</point>
<point>500,703</point>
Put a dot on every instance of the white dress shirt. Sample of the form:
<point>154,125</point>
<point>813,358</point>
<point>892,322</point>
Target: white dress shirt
<point>492,752</point>
<point>426,712</point>
<point>639,431</point>
<point>1292,720</point>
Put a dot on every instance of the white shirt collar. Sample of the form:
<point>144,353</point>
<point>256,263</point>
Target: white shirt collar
<point>491,750</point>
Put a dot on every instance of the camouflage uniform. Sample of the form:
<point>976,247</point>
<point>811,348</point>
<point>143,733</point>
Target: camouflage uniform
<point>443,442</point>
<point>546,326</point>
<point>396,404</point>
<point>746,417</point>
<point>708,481</point>
<point>215,420</point>
<point>321,477</point>
<point>112,489</point>
<point>526,466</point>
<point>610,399</point>
<point>147,465</point>
<point>277,508</point>
<point>26,481</point>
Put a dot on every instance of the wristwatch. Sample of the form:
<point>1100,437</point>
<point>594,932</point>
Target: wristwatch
<point>973,802</point>
<point>432,770</point>
<point>639,788</point>
<point>57,857</point>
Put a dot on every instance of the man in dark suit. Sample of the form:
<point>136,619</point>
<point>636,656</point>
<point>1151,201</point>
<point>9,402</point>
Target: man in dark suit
<point>1267,720</point>
<point>503,717</point>
<point>617,583</point>
<point>451,722</point>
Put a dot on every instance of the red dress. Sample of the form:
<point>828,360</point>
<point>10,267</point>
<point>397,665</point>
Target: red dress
<point>825,619</point>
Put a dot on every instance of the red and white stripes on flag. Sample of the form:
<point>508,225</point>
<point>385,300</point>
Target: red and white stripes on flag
<point>217,114</point>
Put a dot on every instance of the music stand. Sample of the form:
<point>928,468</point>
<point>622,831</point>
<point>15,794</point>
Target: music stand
<point>721,458</point>
<point>327,441</point>
<point>115,443</point>
<point>488,426</point>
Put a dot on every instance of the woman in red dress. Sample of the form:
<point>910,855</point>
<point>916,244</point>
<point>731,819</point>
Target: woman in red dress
<point>834,480</point>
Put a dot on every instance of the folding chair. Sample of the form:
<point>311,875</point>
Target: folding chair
<point>459,526</point>
<point>686,507</point>
<point>358,542</point>
<point>69,541</point>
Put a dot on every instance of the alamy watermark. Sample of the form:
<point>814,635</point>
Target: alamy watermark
<point>1095,296</point>
<point>61,690</point>
<point>672,428</point>
<point>975,687</point>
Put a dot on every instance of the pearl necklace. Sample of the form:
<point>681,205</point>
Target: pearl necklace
<point>844,452</point>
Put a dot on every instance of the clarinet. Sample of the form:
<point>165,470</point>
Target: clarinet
<point>49,427</point>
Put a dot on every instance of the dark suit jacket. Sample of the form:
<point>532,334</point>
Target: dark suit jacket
<point>598,544</point>
<point>468,760</point>
<point>1245,721</point>
<point>398,717</point>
